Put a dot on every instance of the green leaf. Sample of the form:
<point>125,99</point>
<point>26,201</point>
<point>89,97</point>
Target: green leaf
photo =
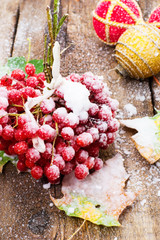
<point>20,62</point>
<point>16,62</point>
<point>38,65</point>
<point>100,198</point>
<point>4,158</point>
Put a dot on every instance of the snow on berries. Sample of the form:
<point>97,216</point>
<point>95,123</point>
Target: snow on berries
<point>59,127</point>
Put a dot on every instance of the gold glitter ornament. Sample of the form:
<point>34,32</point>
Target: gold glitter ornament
<point>138,50</point>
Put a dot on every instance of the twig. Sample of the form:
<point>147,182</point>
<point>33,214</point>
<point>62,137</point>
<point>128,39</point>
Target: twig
<point>77,230</point>
<point>156,80</point>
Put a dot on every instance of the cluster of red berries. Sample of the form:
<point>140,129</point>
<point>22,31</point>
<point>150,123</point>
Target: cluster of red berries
<point>71,142</point>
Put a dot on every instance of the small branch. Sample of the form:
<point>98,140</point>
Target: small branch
<point>50,28</point>
<point>156,80</point>
<point>77,230</point>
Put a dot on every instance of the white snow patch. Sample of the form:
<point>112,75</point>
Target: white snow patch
<point>76,96</point>
<point>143,202</point>
<point>46,186</point>
<point>71,210</point>
<point>51,204</point>
<point>140,98</point>
<point>130,109</point>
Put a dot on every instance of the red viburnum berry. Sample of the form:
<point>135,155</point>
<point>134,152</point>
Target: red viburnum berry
<point>69,166</point>
<point>89,162</point>
<point>47,106</point>
<point>101,98</point>
<point>84,139</point>
<point>30,69</point>
<point>58,161</point>
<point>41,76</point>
<point>22,120</point>
<point>11,149</point>
<point>110,137</point>
<point>27,92</point>
<point>81,156</point>
<point>93,149</point>
<point>60,145</point>
<point>67,133</point>
<point>48,152</point>
<point>59,114</point>
<point>94,132</point>
<point>68,153</point>
<point>41,79</point>
<point>113,103</point>
<point>22,158</point>
<point>71,120</point>
<point>93,110</point>
<point>52,172</point>
<point>18,74</point>
<point>3,144</point>
<point>3,116</point>
<point>80,129</point>
<point>14,96</point>
<point>37,172</point>
<point>21,166</point>
<point>46,120</point>
<point>20,147</point>
<point>98,163</point>
<point>6,80</point>
<point>103,140</point>
<point>75,77</point>
<point>19,84</point>
<point>8,132</point>
<point>81,171</point>
<point>30,129</point>
<point>113,125</point>
<point>19,135</point>
<point>33,155</point>
<point>73,143</point>
<point>29,163</point>
<point>46,132</point>
<point>105,113</point>
<point>102,126</point>
<point>32,82</point>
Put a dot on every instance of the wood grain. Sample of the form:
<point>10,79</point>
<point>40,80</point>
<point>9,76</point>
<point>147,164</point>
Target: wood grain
<point>26,213</point>
<point>8,15</point>
<point>89,54</point>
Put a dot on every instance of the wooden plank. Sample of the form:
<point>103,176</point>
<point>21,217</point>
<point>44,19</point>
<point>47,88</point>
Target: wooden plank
<point>31,25</point>
<point>8,15</point>
<point>89,54</point>
<point>23,198</point>
<point>154,85</point>
<point>25,206</point>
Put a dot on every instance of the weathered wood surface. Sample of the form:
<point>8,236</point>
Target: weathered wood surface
<point>26,211</point>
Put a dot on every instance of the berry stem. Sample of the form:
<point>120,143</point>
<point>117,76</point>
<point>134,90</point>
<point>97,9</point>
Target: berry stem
<point>50,28</point>
<point>54,141</point>
<point>29,49</point>
<point>54,27</point>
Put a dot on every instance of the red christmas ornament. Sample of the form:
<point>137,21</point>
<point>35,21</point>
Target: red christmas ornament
<point>112,17</point>
<point>155,17</point>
